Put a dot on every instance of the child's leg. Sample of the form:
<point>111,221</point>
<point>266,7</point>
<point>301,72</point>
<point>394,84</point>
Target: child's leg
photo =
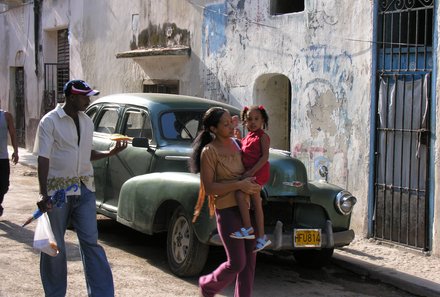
<point>243,205</point>
<point>259,215</point>
<point>262,240</point>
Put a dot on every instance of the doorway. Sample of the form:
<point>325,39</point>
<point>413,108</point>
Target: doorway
<point>18,105</point>
<point>403,75</point>
<point>274,92</point>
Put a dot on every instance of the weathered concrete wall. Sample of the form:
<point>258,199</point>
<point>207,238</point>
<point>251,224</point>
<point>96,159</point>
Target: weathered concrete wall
<point>239,54</point>
<point>98,30</point>
<point>17,49</point>
<point>135,24</point>
<point>320,52</point>
<point>311,69</point>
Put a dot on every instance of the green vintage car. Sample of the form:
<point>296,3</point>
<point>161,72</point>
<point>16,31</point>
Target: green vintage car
<point>148,186</point>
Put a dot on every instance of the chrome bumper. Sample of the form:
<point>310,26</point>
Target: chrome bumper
<point>282,241</point>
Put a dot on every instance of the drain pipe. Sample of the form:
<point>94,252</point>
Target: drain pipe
<point>37,22</point>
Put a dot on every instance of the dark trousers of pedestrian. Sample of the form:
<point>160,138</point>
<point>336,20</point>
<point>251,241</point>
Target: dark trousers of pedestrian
<point>241,259</point>
<point>4,180</point>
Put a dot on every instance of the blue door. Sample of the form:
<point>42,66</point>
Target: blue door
<point>403,76</point>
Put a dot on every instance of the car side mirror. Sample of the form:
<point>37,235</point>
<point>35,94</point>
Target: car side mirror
<point>140,142</point>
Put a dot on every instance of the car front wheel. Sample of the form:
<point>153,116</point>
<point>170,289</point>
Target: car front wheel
<point>186,254</point>
<point>313,258</point>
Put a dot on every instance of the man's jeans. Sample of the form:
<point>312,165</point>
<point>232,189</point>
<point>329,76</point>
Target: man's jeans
<point>82,214</point>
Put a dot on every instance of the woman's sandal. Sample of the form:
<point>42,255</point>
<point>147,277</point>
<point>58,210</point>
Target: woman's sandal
<point>243,233</point>
<point>262,243</point>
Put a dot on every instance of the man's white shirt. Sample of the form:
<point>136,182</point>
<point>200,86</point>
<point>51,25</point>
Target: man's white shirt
<point>69,161</point>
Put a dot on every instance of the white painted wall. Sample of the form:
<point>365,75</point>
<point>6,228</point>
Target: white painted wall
<point>329,71</point>
<point>324,52</point>
<point>98,31</point>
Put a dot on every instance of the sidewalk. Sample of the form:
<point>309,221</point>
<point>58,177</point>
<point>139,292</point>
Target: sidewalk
<point>412,271</point>
<point>407,269</point>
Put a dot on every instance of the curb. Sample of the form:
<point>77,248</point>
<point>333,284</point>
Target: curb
<point>403,281</point>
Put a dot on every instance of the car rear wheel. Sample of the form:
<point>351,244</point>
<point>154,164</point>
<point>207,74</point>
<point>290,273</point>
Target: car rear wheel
<point>186,254</point>
<point>313,258</point>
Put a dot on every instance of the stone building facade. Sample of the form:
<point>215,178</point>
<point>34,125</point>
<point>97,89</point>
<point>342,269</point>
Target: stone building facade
<point>319,67</point>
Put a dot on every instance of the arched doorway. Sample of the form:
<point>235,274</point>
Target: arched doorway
<point>274,92</point>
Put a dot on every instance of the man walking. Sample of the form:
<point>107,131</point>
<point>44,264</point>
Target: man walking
<point>6,126</point>
<point>64,149</point>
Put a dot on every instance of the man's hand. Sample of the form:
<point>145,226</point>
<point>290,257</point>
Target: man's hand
<point>44,204</point>
<point>118,147</point>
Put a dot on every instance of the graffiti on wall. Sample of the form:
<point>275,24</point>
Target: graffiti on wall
<point>322,76</point>
<point>215,19</point>
<point>320,14</point>
<point>320,119</point>
<point>213,44</point>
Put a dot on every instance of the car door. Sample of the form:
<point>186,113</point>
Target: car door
<point>106,122</point>
<point>132,161</point>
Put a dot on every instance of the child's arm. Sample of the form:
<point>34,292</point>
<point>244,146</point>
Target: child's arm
<point>265,144</point>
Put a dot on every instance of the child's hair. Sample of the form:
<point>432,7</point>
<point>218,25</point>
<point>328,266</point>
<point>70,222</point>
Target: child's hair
<point>261,109</point>
<point>210,118</point>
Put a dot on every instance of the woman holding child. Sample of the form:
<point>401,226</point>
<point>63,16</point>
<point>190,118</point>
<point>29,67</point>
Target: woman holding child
<point>217,156</point>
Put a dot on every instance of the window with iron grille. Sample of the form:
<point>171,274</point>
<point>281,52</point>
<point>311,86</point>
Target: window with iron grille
<point>402,142</point>
<point>405,23</point>
<point>63,57</point>
<point>161,86</point>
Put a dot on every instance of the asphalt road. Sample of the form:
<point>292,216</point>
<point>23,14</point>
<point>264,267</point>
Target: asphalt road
<point>139,261</point>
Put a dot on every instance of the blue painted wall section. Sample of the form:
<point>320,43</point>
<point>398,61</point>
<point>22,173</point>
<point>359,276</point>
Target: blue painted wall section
<point>214,26</point>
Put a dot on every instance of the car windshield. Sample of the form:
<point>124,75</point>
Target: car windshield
<point>181,125</point>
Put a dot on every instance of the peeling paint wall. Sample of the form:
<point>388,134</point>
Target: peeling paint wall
<point>163,35</point>
<point>236,46</point>
<point>239,54</point>
<point>328,62</point>
<point>98,30</point>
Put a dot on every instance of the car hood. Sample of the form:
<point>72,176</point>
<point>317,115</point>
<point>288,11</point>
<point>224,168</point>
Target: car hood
<point>288,176</point>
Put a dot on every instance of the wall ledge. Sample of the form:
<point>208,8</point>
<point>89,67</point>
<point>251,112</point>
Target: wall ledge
<point>154,52</point>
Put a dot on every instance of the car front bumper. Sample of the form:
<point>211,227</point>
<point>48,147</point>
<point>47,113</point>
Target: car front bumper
<point>284,241</point>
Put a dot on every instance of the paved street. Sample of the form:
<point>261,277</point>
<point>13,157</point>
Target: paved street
<point>139,261</point>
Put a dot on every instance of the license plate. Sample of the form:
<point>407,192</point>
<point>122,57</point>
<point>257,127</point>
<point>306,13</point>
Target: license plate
<point>307,237</point>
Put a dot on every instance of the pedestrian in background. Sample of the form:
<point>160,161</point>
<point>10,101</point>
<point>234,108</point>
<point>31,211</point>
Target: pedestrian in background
<point>218,159</point>
<point>64,149</point>
<point>6,126</point>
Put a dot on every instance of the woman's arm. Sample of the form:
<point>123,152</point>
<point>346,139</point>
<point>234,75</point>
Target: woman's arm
<point>11,129</point>
<point>215,188</point>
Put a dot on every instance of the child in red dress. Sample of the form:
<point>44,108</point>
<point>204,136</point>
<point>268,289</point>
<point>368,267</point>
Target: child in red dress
<point>255,155</point>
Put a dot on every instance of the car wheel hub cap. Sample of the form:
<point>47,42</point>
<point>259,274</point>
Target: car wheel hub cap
<point>181,240</point>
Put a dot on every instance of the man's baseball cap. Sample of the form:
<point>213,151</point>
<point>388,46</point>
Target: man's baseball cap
<point>79,87</point>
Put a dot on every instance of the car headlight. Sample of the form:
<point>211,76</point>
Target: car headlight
<point>344,202</point>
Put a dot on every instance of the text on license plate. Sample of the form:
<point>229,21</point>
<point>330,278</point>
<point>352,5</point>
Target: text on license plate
<point>307,237</point>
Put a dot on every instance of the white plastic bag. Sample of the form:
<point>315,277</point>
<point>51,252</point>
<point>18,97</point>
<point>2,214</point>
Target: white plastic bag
<point>44,240</point>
